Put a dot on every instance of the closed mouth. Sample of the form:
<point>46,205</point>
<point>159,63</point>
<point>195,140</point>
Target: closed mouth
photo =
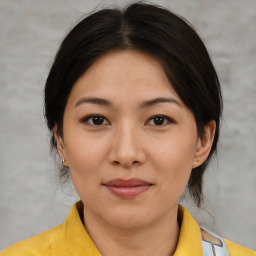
<point>127,188</point>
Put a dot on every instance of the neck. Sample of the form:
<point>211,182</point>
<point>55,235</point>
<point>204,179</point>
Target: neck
<point>158,238</point>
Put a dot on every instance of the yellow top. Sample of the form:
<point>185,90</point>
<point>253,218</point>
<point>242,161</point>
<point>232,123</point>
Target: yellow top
<point>71,239</point>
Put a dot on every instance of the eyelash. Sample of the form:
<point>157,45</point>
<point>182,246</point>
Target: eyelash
<point>167,120</point>
<point>90,117</point>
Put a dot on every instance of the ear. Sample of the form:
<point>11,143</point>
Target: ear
<point>60,146</point>
<point>204,144</point>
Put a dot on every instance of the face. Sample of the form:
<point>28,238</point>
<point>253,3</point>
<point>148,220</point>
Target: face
<point>129,141</point>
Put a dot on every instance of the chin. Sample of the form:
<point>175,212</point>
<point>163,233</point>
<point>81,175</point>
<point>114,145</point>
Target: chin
<point>129,218</point>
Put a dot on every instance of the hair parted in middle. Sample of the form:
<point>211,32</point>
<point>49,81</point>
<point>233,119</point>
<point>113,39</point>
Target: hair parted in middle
<point>152,30</point>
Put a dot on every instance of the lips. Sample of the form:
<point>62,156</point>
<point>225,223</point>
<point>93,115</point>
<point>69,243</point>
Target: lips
<point>127,188</point>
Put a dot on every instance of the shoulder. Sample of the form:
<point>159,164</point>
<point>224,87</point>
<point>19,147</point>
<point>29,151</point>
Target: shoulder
<point>213,244</point>
<point>238,250</point>
<point>69,238</point>
<point>41,244</point>
<point>195,239</point>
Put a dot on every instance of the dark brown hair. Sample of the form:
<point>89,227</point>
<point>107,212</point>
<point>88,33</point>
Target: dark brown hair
<point>153,30</point>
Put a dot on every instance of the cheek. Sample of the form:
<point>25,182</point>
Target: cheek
<point>85,159</point>
<point>85,153</point>
<point>174,152</point>
<point>173,158</point>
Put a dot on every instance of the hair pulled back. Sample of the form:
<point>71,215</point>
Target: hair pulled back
<point>152,30</point>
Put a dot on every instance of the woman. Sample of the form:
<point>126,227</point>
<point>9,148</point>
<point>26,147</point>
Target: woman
<point>133,104</point>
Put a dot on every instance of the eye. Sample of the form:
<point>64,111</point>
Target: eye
<point>96,120</point>
<point>159,120</point>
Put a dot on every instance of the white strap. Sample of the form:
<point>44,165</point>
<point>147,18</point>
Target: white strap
<point>213,245</point>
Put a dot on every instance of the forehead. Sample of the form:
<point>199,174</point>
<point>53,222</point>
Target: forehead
<point>124,73</point>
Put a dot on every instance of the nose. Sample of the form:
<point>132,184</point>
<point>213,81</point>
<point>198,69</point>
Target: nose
<point>127,147</point>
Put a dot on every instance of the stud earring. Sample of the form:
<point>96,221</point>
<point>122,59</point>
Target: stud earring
<point>63,161</point>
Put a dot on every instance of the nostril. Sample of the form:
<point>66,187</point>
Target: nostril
<point>116,163</point>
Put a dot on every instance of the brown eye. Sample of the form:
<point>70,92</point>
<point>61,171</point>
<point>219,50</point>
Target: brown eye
<point>159,120</point>
<point>96,120</point>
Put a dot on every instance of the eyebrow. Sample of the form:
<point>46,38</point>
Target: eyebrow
<point>144,104</point>
<point>93,100</point>
<point>150,103</point>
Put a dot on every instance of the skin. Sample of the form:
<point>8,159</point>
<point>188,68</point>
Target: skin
<point>129,143</point>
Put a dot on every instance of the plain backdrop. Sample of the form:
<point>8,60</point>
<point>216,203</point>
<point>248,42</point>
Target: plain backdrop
<point>31,197</point>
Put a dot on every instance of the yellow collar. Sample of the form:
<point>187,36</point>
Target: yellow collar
<point>190,241</point>
<point>78,240</point>
<point>80,243</point>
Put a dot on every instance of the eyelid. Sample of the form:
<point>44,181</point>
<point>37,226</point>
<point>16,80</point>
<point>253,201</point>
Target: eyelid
<point>169,119</point>
<point>86,118</point>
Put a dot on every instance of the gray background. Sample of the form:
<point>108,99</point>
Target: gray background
<point>31,198</point>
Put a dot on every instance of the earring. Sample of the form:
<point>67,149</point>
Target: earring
<point>63,161</point>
